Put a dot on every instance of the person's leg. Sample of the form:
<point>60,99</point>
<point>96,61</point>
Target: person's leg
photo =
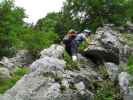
<point>68,50</point>
<point>74,50</point>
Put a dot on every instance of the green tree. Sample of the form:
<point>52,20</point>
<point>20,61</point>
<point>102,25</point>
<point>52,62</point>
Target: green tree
<point>11,25</point>
<point>51,23</point>
<point>80,14</point>
<point>35,40</point>
<point>129,14</point>
<point>48,23</point>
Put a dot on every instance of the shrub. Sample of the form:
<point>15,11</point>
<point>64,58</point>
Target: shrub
<point>107,91</point>
<point>129,38</point>
<point>70,65</point>
<point>35,41</point>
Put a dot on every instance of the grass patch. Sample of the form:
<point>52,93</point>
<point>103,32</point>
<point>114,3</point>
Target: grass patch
<point>106,90</point>
<point>130,64</point>
<point>129,38</point>
<point>15,76</point>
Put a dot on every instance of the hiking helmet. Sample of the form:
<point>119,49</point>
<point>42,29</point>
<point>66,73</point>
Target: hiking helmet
<point>86,31</point>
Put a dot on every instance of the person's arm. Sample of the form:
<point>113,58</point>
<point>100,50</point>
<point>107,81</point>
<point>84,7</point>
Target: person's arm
<point>88,40</point>
<point>65,40</point>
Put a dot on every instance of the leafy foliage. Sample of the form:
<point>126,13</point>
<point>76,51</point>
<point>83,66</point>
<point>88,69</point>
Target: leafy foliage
<point>128,38</point>
<point>51,23</point>
<point>16,34</point>
<point>106,89</point>
<point>80,14</point>
<point>11,24</point>
<point>47,23</point>
<point>130,64</point>
<point>70,65</point>
<point>37,40</point>
<point>129,13</point>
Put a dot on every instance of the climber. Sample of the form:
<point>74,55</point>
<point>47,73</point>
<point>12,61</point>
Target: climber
<point>84,36</point>
<point>72,41</point>
<point>70,44</point>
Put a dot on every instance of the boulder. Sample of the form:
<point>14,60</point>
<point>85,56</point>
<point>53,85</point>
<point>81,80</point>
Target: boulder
<point>55,51</point>
<point>40,82</point>
<point>107,46</point>
<point>48,64</point>
<point>4,74</point>
<point>80,86</point>
<point>5,62</point>
<point>124,78</point>
<point>129,96</point>
<point>22,58</point>
<point>125,88</point>
<point>113,70</point>
<point>49,80</point>
<point>7,97</point>
<point>129,27</point>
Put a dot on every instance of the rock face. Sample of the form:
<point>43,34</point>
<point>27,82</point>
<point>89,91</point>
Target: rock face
<point>4,74</point>
<point>124,83</point>
<point>113,70</point>
<point>108,47</point>
<point>48,80</point>
<point>130,27</point>
<point>55,51</point>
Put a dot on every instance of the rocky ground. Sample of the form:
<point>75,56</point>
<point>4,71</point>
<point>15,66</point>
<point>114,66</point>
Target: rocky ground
<point>101,65</point>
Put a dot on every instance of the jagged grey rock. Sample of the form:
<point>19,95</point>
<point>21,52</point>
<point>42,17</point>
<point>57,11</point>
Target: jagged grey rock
<point>40,82</point>
<point>48,64</point>
<point>5,62</point>
<point>130,26</point>
<point>129,96</point>
<point>7,97</point>
<point>46,78</point>
<point>113,70</point>
<point>55,51</point>
<point>80,86</point>
<point>49,79</point>
<point>125,88</point>
<point>109,47</point>
<point>124,78</point>
<point>22,58</point>
<point>65,83</point>
<point>4,74</point>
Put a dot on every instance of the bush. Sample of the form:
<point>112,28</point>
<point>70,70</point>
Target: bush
<point>35,41</point>
<point>11,25</point>
<point>129,38</point>
<point>70,65</point>
<point>107,91</point>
